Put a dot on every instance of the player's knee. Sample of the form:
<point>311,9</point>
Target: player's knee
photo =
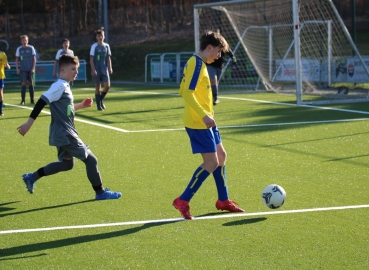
<point>91,160</point>
<point>212,165</point>
<point>68,164</point>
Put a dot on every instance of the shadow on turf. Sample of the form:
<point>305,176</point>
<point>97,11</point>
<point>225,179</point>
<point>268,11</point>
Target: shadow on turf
<point>3,209</point>
<point>244,221</point>
<point>37,209</point>
<point>40,246</point>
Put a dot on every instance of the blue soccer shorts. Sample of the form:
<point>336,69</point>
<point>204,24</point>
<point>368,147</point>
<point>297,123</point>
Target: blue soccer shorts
<point>204,140</point>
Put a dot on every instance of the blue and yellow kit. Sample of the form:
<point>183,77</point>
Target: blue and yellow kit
<point>196,91</point>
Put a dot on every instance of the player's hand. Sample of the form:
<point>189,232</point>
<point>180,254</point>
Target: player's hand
<point>209,121</point>
<point>87,102</point>
<point>23,129</point>
<point>234,60</point>
<point>94,73</point>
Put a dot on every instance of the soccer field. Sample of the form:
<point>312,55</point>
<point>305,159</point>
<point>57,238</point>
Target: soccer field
<point>319,155</point>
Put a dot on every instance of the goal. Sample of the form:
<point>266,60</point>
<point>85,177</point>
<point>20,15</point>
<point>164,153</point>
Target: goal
<point>299,47</point>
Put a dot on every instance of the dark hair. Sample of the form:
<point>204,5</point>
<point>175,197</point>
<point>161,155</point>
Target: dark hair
<point>99,31</point>
<point>64,40</point>
<point>67,59</point>
<point>215,39</point>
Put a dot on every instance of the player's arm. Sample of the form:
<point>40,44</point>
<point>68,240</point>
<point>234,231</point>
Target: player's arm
<point>93,70</point>
<point>17,61</point>
<point>92,54</point>
<point>33,64</point>
<point>54,70</point>
<point>191,100</point>
<point>56,62</point>
<point>7,64</point>
<point>87,102</point>
<point>110,68</point>
<point>23,129</point>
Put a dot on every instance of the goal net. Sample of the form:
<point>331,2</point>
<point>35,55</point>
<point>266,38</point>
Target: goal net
<point>299,47</point>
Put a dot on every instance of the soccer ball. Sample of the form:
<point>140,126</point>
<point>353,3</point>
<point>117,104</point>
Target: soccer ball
<point>273,196</point>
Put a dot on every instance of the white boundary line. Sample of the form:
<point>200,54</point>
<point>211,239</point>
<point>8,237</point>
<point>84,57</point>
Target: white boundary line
<point>221,127</point>
<point>223,216</point>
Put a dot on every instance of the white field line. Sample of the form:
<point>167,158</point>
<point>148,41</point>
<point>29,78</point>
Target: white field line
<point>223,216</point>
<point>232,98</point>
<point>75,119</point>
<point>238,126</point>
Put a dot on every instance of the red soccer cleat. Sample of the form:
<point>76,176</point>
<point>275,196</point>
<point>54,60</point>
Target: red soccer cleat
<point>183,208</point>
<point>228,205</point>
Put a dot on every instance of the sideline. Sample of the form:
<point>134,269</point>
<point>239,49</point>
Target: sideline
<point>223,216</point>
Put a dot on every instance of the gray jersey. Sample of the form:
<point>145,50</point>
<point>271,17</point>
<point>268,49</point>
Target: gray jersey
<point>61,52</point>
<point>100,54</point>
<point>25,56</point>
<point>60,99</point>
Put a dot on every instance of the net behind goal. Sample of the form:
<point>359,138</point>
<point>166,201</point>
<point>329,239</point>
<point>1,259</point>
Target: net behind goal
<point>300,47</point>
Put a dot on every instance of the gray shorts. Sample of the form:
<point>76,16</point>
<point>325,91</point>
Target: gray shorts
<point>26,76</point>
<point>214,72</point>
<point>101,78</point>
<point>77,148</point>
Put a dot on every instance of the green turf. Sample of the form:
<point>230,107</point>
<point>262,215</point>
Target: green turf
<point>319,164</point>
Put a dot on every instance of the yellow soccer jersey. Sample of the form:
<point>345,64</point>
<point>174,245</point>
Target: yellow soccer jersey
<point>196,91</point>
<point>3,63</point>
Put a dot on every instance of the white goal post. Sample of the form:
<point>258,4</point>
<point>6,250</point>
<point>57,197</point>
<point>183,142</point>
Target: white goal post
<point>300,47</point>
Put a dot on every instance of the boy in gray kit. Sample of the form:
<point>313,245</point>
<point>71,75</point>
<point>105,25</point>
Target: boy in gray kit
<point>63,133</point>
<point>100,61</point>
<point>25,63</point>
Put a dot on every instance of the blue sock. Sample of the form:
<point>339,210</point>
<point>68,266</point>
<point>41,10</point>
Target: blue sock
<point>221,182</point>
<point>198,178</point>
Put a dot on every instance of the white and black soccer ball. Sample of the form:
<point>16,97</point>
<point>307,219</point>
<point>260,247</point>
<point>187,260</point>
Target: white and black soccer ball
<point>273,196</point>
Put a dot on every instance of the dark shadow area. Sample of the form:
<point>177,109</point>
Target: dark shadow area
<point>36,247</point>
<point>3,209</point>
<point>214,214</point>
<point>347,158</point>
<point>315,140</point>
<point>244,221</point>
<point>45,208</point>
<point>22,257</point>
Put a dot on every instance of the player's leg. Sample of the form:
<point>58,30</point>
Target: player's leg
<point>31,88</point>
<point>65,163</point>
<point>1,96</point>
<point>202,141</point>
<point>23,77</point>
<point>220,177</point>
<point>94,177</point>
<point>103,93</point>
<point>97,91</point>
<point>81,151</point>
<point>214,83</point>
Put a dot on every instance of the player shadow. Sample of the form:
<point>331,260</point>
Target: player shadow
<point>214,214</point>
<point>244,221</point>
<point>3,209</point>
<point>41,246</point>
<point>39,209</point>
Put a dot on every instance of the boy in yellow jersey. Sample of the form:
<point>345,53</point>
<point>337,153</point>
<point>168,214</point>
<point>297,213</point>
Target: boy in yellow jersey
<point>3,63</point>
<point>198,119</point>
